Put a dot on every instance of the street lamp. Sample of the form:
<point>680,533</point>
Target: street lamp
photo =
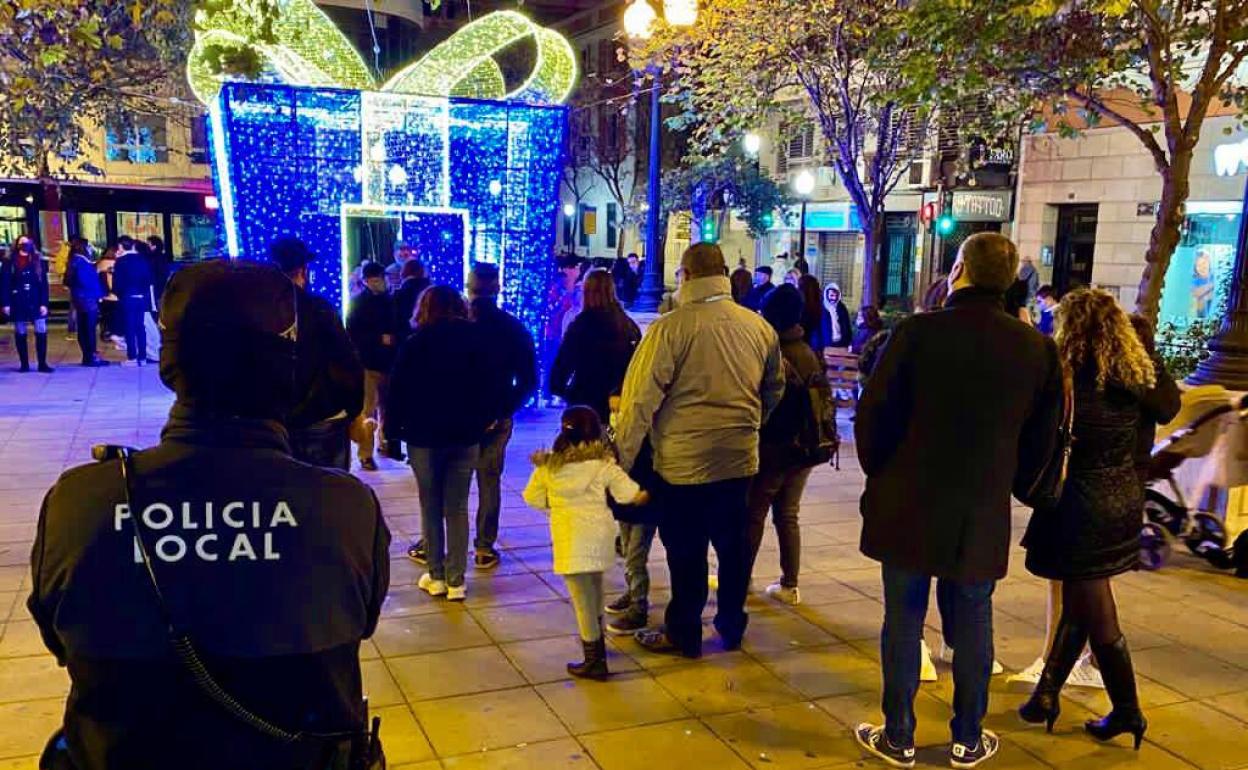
<point>639,19</point>
<point>752,143</point>
<point>803,185</point>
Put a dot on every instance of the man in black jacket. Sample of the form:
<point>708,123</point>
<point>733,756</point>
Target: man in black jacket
<point>370,324</point>
<point>274,569</point>
<point>85,293</point>
<point>329,376</point>
<point>414,280</point>
<point>513,363</point>
<point>132,281</point>
<point>963,407</point>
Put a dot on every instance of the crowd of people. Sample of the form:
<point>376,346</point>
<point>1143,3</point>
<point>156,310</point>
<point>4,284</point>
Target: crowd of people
<point>696,432</point>
<point>113,297</point>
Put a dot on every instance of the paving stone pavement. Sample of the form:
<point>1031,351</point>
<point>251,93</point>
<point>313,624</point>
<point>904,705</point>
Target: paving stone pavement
<point>482,685</point>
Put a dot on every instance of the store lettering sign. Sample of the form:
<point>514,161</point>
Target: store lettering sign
<point>993,206</point>
<point>1229,159</point>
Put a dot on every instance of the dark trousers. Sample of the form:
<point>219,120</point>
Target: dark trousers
<point>87,322</point>
<point>969,621</point>
<point>779,490</point>
<point>443,479</point>
<point>490,483</point>
<point>696,516</point>
<point>135,310</point>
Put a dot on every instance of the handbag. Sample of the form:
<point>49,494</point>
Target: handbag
<point>1045,490</point>
<point>347,750</point>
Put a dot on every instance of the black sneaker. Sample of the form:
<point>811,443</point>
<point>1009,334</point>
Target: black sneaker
<point>416,552</point>
<point>485,558</point>
<point>873,739</point>
<point>620,606</point>
<point>631,623</point>
<point>962,756</point>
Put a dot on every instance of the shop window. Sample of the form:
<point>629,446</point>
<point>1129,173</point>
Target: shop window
<point>1199,277</point>
<point>12,224</point>
<point>194,236</point>
<point>139,225</point>
<point>137,139</point>
<point>94,227</point>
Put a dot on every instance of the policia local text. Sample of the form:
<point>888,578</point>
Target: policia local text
<point>208,545</point>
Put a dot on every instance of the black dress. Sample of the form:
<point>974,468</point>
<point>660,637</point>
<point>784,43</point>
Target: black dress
<point>1094,532</point>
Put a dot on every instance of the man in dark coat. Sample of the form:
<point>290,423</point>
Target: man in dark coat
<point>762,287</point>
<point>274,569</point>
<point>370,323</point>
<point>963,407</point>
<point>328,374</point>
<point>414,280</point>
<point>132,282</point>
<point>85,293</point>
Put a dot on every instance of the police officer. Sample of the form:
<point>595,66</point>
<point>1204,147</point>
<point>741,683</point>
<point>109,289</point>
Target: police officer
<point>329,375</point>
<point>274,569</point>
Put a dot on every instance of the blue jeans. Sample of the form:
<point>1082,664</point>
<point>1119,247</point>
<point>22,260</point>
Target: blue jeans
<point>443,478</point>
<point>636,540</point>
<point>969,622</point>
<point>490,483</point>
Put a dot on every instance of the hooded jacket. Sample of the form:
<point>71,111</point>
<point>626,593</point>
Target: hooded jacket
<point>829,335</point>
<point>572,486</point>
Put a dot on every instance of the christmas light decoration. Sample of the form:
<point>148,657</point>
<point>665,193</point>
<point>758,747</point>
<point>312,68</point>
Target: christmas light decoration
<point>460,180</point>
<point>310,51</point>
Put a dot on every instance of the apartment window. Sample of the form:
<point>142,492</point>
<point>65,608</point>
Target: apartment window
<point>612,225</point>
<point>137,139</point>
<point>199,139</point>
<point>802,142</point>
<point>606,58</point>
<point>589,223</point>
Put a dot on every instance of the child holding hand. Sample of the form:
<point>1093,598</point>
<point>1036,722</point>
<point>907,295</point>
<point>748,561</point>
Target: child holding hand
<point>571,481</point>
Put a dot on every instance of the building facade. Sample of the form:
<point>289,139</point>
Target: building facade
<point>1087,206</point>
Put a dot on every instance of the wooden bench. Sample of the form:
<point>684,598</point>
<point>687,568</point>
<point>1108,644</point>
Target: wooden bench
<point>842,367</point>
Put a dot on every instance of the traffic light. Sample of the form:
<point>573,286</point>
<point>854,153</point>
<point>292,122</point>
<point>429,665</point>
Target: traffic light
<point>945,224</point>
<point>708,231</point>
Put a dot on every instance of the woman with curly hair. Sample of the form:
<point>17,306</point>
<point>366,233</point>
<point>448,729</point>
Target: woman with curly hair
<point>1093,533</point>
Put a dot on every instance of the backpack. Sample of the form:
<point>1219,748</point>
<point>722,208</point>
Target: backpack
<point>818,441</point>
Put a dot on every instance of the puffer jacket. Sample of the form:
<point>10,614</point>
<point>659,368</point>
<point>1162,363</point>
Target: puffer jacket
<point>572,486</point>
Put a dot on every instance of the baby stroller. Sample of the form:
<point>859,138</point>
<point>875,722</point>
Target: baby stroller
<point>1169,517</point>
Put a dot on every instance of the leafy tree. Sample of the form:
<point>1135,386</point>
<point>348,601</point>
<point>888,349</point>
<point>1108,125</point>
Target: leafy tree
<point>728,183</point>
<point>1155,67</point>
<point>576,176</point>
<point>610,145</point>
<point>746,61</point>
<point>68,67</point>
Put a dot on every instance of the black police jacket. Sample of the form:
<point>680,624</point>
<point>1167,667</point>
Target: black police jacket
<point>276,569</point>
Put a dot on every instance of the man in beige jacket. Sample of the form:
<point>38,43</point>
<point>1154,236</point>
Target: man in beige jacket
<point>702,382</point>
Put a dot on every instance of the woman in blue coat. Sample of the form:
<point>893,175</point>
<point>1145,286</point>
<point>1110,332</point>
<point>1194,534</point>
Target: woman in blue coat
<point>24,298</point>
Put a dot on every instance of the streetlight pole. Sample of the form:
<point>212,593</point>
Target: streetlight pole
<point>1227,364</point>
<point>651,290</point>
<point>803,185</point>
<point>639,20</point>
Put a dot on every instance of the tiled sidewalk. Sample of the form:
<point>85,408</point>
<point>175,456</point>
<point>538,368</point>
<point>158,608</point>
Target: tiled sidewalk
<point>482,685</point>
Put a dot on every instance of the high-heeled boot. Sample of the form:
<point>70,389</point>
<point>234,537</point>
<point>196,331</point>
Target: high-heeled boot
<point>23,353</point>
<point>1045,703</point>
<point>41,352</point>
<point>594,666</point>
<point>1119,675</point>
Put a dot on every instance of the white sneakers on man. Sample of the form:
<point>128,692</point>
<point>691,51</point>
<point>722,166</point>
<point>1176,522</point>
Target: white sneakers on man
<point>431,586</point>
<point>790,596</point>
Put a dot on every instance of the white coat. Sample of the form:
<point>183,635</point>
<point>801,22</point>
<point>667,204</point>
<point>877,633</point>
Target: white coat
<point>572,486</point>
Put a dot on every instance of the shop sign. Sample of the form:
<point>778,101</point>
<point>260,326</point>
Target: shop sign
<point>986,206</point>
<point>1230,158</point>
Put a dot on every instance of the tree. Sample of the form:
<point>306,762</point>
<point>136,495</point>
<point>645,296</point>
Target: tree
<point>577,178</point>
<point>611,143</point>
<point>747,61</point>
<point>1154,67</point>
<point>728,183</point>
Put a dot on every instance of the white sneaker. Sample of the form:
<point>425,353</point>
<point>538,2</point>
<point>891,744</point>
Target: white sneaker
<point>1029,675</point>
<point>1085,674</point>
<point>927,669</point>
<point>946,656</point>
<point>457,593</point>
<point>431,586</point>
<point>786,595</point>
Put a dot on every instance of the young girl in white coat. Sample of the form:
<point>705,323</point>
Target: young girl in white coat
<point>571,482</point>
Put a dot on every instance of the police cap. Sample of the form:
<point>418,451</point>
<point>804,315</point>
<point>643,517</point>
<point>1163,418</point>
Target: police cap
<point>228,331</point>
